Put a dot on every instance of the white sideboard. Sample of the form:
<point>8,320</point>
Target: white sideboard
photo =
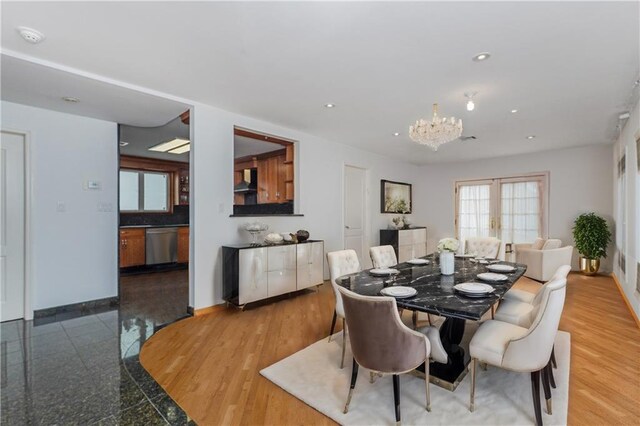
<point>252,273</point>
<point>408,243</point>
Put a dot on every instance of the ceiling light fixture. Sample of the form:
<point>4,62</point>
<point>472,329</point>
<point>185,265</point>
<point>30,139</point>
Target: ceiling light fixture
<point>30,35</point>
<point>329,105</point>
<point>481,57</point>
<point>181,149</point>
<point>70,99</point>
<point>436,132</point>
<point>531,137</point>
<point>123,143</point>
<point>396,134</point>
<point>470,104</point>
<point>170,145</point>
<point>513,111</point>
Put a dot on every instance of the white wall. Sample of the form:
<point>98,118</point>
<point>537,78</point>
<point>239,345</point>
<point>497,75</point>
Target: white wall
<point>73,253</point>
<point>580,181</point>
<point>627,144</point>
<point>319,181</point>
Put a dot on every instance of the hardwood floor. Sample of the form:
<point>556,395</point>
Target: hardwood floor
<point>210,364</point>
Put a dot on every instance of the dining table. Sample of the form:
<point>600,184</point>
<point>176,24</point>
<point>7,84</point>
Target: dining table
<point>435,294</point>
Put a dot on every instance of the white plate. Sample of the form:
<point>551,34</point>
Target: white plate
<point>465,256</point>
<point>418,261</point>
<point>384,271</point>
<point>399,291</point>
<point>490,276</point>
<point>478,288</point>
<point>501,268</point>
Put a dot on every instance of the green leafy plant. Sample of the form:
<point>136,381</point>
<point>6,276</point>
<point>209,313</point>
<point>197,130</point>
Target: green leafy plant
<point>591,234</point>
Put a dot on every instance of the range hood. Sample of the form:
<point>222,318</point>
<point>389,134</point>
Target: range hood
<point>250,182</point>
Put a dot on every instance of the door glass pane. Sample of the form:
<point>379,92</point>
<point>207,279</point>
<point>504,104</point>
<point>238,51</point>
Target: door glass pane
<point>521,213</point>
<point>474,211</point>
<point>129,191</point>
<point>155,192</point>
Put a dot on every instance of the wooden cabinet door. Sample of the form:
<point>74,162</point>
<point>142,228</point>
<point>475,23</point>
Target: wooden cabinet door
<point>263,181</point>
<point>183,244</point>
<point>132,247</point>
<point>282,269</point>
<point>252,275</point>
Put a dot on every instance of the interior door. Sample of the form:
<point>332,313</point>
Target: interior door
<point>12,226</point>
<point>355,186</point>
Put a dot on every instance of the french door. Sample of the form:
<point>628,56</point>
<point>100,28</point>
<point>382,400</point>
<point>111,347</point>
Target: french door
<point>513,209</point>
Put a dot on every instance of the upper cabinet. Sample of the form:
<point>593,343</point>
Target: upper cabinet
<point>263,174</point>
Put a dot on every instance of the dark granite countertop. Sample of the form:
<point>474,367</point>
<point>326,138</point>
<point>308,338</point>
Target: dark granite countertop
<point>154,226</point>
<point>436,294</point>
<point>250,246</point>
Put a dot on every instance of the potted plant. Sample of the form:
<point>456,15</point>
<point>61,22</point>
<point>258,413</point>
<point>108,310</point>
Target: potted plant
<point>591,234</point>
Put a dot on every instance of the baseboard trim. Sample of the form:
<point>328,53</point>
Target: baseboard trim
<point>626,301</point>
<point>207,310</point>
<point>80,307</point>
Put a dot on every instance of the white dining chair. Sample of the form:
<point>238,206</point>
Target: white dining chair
<point>522,349</point>
<point>341,263</point>
<point>383,256</point>
<point>490,247</point>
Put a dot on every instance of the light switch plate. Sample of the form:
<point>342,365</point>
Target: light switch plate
<point>93,185</point>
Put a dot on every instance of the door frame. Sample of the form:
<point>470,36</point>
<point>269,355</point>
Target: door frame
<point>28,195</point>
<point>365,226</point>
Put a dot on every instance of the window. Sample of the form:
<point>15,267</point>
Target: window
<point>512,209</point>
<point>142,191</point>
<point>621,228</point>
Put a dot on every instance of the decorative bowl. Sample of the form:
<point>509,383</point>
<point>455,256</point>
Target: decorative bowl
<point>302,235</point>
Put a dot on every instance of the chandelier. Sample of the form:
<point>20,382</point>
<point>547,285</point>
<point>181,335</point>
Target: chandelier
<point>436,132</point>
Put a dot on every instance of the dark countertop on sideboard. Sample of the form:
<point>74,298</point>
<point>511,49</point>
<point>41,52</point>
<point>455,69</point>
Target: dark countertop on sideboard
<point>250,246</point>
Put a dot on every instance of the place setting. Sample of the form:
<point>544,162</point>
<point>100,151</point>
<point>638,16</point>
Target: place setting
<point>418,262</point>
<point>492,277</point>
<point>473,289</point>
<point>399,292</point>
<point>501,268</point>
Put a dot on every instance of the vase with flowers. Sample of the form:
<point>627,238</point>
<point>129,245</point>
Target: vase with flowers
<point>447,247</point>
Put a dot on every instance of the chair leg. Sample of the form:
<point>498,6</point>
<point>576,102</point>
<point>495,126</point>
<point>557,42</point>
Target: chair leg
<point>429,318</point>
<point>553,357</point>
<point>552,381</point>
<point>396,396</point>
<point>545,386</point>
<point>333,324</point>
<point>472,395</point>
<point>354,377</point>
<point>414,318</point>
<point>426,380</point>
<point>372,376</point>
<point>535,392</point>
<point>493,311</point>
<point>344,341</point>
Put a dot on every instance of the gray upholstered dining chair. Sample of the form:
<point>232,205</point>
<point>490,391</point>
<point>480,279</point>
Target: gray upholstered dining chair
<point>382,343</point>
<point>341,263</point>
<point>521,349</point>
<point>383,256</point>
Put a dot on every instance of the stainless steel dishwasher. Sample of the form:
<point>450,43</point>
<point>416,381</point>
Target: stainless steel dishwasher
<point>162,245</point>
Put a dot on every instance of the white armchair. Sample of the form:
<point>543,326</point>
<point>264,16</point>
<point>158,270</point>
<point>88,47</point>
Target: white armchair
<point>543,263</point>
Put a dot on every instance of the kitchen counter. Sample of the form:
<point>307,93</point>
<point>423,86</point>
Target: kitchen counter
<point>153,226</point>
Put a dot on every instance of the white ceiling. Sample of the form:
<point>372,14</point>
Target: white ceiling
<point>244,146</point>
<point>568,67</point>
<point>140,139</point>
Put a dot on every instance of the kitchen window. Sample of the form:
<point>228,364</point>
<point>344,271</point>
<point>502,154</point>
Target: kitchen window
<point>142,191</point>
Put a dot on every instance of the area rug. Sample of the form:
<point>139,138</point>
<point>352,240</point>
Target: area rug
<point>313,375</point>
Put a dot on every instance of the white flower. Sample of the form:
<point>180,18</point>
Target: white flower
<point>448,244</point>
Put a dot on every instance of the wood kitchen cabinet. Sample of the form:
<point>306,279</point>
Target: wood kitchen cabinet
<point>183,244</point>
<point>132,247</point>
<point>272,176</point>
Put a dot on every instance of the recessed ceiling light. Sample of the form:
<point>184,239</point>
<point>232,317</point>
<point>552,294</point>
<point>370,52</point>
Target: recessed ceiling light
<point>170,145</point>
<point>181,149</point>
<point>123,143</point>
<point>329,105</point>
<point>531,137</point>
<point>71,99</point>
<point>30,35</point>
<point>513,111</point>
<point>481,56</point>
<point>396,133</point>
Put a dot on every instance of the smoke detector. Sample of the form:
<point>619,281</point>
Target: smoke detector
<point>30,35</point>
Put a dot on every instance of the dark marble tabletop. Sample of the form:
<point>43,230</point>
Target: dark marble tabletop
<point>436,294</point>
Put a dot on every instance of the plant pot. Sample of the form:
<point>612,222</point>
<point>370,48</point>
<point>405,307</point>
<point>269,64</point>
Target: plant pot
<point>589,266</point>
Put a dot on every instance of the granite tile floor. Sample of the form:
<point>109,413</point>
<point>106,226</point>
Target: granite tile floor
<point>85,370</point>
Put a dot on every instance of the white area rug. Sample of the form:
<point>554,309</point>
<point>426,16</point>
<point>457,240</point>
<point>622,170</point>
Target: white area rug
<point>502,398</point>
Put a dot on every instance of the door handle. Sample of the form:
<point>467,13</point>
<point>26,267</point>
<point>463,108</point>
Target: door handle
<point>347,227</point>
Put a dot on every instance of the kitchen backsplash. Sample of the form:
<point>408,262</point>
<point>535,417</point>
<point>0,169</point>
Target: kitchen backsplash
<point>180,216</point>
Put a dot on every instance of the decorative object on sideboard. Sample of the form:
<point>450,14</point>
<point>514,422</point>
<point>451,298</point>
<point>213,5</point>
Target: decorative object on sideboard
<point>294,238</point>
<point>255,229</point>
<point>447,247</point>
<point>302,235</point>
<point>396,223</point>
<point>287,236</point>
<point>273,238</point>
<point>395,197</point>
<point>592,236</point>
